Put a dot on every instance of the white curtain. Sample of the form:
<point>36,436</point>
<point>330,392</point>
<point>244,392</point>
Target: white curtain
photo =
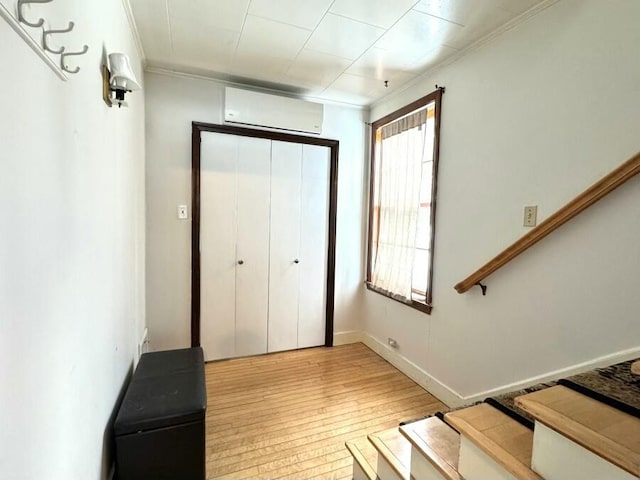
<point>398,199</point>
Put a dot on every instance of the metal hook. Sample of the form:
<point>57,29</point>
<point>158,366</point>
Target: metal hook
<point>63,55</point>
<point>21,16</point>
<point>483,288</point>
<point>45,45</point>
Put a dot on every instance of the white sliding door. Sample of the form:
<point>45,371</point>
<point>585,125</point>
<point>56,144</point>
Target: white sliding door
<point>314,234</point>
<point>286,182</point>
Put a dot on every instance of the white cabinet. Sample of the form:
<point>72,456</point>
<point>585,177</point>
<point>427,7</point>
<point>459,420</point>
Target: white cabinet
<point>263,245</point>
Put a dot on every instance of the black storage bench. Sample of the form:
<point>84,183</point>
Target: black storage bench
<point>160,427</point>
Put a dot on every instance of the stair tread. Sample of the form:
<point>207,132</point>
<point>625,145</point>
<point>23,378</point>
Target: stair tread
<point>602,429</point>
<point>505,440</point>
<point>438,442</point>
<point>395,449</point>
<point>366,456</point>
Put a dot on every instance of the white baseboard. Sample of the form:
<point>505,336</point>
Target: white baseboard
<point>598,362</point>
<point>345,338</point>
<point>415,373</point>
<point>452,398</point>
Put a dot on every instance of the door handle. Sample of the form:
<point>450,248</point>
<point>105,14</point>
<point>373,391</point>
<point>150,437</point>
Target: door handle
<point>240,262</point>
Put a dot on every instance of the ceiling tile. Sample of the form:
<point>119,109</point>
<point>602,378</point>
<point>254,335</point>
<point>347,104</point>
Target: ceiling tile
<point>379,64</point>
<point>430,59</point>
<point>306,14</point>
<point>275,39</point>
<point>227,14</point>
<point>153,25</point>
<point>343,37</point>
<point>417,34</point>
<point>485,23</point>
<point>382,13</point>
<point>354,89</point>
<point>334,95</point>
<point>316,69</point>
<point>261,66</point>
<point>464,12</point>
<point>398,79</point>
<point>517,6</point>
<point>357,84</point>
<point>210,46</point>
<point>391,65</point>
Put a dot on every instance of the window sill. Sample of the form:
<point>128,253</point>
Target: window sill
<point>423,307</point>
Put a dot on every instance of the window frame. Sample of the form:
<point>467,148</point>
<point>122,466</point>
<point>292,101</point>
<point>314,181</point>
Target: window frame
<point>436,97</point>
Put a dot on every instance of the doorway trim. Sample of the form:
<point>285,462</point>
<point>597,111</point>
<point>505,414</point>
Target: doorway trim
<point>196,136</point>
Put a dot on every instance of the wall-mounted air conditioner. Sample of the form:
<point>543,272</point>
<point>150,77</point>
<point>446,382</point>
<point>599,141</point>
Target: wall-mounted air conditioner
<point>263,110</point>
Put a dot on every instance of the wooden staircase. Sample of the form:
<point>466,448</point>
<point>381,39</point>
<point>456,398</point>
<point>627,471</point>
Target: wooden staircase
<point>575,437</point>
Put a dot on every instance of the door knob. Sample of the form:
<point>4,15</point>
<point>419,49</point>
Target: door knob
<point>296,261</point>
<point>240,262</point>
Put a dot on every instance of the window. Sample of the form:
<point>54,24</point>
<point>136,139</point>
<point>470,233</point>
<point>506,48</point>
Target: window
<point>404,165</point>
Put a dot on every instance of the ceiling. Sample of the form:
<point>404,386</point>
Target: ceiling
<point>337,50</point>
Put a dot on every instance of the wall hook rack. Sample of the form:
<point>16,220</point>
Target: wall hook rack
<point>483,288</point>
<point>21,18</point>
<point>46,33</point>
<point>64,55</point>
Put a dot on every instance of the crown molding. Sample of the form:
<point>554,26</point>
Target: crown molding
<point>169,72</point>
<point>134,31</point>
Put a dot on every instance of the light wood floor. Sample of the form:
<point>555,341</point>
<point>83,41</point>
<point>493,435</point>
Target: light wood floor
<point>287,415</point>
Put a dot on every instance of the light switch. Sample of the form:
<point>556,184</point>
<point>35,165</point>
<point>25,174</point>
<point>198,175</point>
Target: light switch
<point>183,213</point>
<point>530,216</point>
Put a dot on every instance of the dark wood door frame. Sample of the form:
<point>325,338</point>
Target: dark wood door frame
<point>196,135</point>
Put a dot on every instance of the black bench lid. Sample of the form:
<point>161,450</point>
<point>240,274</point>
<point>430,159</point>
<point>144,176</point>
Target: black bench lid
<point>170,361</point>
<point>157,399</point>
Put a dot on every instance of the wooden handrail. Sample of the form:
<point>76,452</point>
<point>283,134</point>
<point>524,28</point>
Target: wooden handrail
<point>587,198</point>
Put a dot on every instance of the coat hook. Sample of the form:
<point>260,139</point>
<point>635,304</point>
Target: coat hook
<point>483,288</point>
<point>21,18</point>
<point>63,56</point>
<point>45,45</point>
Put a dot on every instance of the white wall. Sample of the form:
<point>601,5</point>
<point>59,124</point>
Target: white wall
<point>71,248</point>
<point>533,117</point>
<point>172,104</point>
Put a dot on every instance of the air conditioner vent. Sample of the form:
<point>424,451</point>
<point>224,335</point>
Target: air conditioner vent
<point>272,111</point>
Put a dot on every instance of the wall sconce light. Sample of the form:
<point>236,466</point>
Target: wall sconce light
<point>118,81</point>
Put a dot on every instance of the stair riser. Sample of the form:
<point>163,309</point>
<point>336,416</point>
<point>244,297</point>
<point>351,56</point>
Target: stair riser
<point>476,465</point>
<point>422,469</point>
<point>555,457</point>
<point>385,472</point>
<point>358,472</point>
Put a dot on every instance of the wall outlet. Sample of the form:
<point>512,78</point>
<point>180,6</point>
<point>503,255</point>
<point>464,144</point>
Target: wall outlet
<point>530,216</point>
<point>392,343</point>
<point>183,212</point>
<point>143,345</point>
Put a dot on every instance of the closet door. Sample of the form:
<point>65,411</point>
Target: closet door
<point>314,226</point>
<point>286,173</point>
<point>218,162</point>
<point>234,244</point>
<point>252,275</point>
